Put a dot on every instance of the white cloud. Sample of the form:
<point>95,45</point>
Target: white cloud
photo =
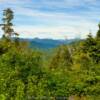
<point>45,32</point>
<point>57,24</point>
<point>57,32</point>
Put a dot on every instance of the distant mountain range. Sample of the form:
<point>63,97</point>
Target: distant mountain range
<point>47,43</point>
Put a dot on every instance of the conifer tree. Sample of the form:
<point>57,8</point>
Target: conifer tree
<point>62,58</point>
<point>98,33</point>
<point>7,25</point>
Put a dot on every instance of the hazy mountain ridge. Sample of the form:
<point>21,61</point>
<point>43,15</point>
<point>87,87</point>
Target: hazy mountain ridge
<point>48,43</point>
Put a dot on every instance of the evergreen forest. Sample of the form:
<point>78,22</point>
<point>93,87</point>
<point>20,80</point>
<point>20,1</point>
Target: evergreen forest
<point>67,72</point>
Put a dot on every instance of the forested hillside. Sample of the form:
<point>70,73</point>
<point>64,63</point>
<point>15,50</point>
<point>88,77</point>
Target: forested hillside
<point>69,72</point>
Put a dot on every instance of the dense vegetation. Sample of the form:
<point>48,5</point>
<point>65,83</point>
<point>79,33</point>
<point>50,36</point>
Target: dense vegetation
<point>69,72</point>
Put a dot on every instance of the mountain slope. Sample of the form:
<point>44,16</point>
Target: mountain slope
<point>47,43</point>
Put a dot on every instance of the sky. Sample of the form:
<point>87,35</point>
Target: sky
<point>56,19</point>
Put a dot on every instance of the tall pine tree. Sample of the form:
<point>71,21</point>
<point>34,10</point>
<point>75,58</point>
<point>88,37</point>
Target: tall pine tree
<point>98,33</point>
<point>7,25</point>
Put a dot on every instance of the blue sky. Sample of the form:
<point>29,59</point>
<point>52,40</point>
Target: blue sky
<point>56,19</point>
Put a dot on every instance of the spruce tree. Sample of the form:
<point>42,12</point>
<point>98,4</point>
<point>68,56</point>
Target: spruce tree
<point>7,25</point>
<point>98,33</point>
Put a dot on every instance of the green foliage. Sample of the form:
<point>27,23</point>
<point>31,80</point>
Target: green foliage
<point>71,71</point>
<point>62,58</point>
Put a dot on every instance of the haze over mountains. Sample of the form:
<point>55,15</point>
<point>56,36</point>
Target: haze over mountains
<point>48,43</point>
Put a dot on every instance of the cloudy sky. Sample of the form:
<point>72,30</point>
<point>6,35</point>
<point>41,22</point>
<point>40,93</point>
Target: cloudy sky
<point>57,19</point>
